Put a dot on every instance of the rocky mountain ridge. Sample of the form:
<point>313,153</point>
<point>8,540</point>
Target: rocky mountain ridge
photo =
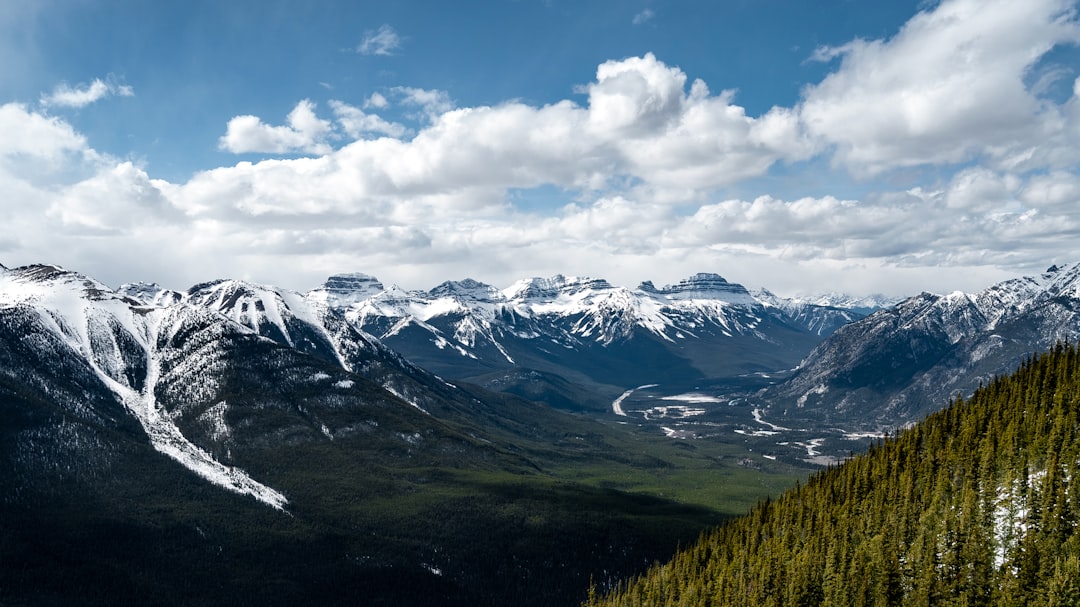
<point>156,442</point>
<point>586,329</point>
<point>897,364</point>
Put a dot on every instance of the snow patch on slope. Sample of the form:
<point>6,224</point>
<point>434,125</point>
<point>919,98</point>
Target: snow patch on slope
<point>90,318</point>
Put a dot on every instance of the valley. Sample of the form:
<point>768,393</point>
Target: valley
<point>714,414</point>
<point>462,446</point>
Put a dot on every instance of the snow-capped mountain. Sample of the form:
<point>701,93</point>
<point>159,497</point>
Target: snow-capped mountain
<point>896,364</point>
<point>155,442</point>
<point>586,329</point>
<point>182,365</point>
<point>864,305</point>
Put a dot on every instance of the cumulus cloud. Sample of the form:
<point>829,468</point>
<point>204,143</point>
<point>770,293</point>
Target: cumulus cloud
<point>1052,190</point>
<point>377,101</point>
<point>31,134</point>
<point>303,132</point>
<point>431,102</point>
<point>636,96</point>
<point>644,160</point>
<point>357,123</point>
<point>643,124</point>
<point>115,200</point>
<point>76,97</point>
<point>950,86</point>
<point>383,41</point>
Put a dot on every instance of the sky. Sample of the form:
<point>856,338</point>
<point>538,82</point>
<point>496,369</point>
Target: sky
<point>863,147</point>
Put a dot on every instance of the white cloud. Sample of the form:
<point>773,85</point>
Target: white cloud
<point>635,97</point>
<point>377,101</point>
<point>1049,191</point>
<point>415,207</point>
<point>356,123</point>
<point>383,41</point>
<point>31,134</point>
<point>66,96</point>
<point>641,126</point>
<point>644,16</point>
<point>118,199</point>
<point>304,132</point>
<point>947,88</point>
<point>643,162</point>
<point>431,102</point>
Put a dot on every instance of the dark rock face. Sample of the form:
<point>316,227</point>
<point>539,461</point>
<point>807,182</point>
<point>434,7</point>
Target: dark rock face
<point>895,365</point>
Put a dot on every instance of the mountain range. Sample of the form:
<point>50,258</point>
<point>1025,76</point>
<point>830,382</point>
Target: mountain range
<point>598,336</point>
<point>256,441</point>
<point>399,438</point>
<point>901,362</point>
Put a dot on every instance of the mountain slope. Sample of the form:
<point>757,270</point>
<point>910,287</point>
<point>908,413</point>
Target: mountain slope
<point>585,330</point>
<point>975,505</point>
<point>241,444</point>
<point>896,364</point>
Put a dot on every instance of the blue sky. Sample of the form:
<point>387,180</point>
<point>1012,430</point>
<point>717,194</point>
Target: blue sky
<point>801,146</point>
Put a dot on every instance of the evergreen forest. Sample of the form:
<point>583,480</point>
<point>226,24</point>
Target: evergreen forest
<point>978,504</point>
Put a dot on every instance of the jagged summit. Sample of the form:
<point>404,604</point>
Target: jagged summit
<point>34,282</point>
<point>703,285</point>
<point>582,328</point>
<point>550,288</point>
<point>928,348</point>
<point>1063,279</point>
<point>343,290</point>
<point>843,300</point>
<point>535,288</point>
<point>463,328</point>
<point>150,293</point>
<point>467,289</point>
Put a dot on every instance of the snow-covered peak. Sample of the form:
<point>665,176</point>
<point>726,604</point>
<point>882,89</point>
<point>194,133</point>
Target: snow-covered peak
<point>551,288</point>
<point>344,290</point>
<point>1063,281</point>
<point>535,288</point>
<point>257,307</point>
<point>703,285</point>
<point>150,293</point>
<point>392,302</point>
<point>468,290</point>
<point>574,285</point>
<point>38,283</point>
<point>117,337</point>
<point>845,301</point>
<point>1018,294</point>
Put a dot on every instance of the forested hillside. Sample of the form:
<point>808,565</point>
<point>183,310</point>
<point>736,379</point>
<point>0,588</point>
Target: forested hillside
<point>976,505</point>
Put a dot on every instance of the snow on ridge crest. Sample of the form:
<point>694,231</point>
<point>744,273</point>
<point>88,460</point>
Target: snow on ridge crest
<point>703,285</point>
<point>550,288</point>
<point>117,337</point>
<point>468,290</point>
<point>344,290</point>
<point>150,293</point>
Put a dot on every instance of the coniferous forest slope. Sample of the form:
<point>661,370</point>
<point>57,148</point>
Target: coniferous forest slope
<point>976,505</point>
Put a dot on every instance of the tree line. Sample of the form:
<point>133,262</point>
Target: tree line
<point>977,504</point>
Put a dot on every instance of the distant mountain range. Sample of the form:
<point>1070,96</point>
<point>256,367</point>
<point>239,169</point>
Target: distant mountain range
<point>585,330</point>
<point>577,343</point>
<point>902,362</point>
